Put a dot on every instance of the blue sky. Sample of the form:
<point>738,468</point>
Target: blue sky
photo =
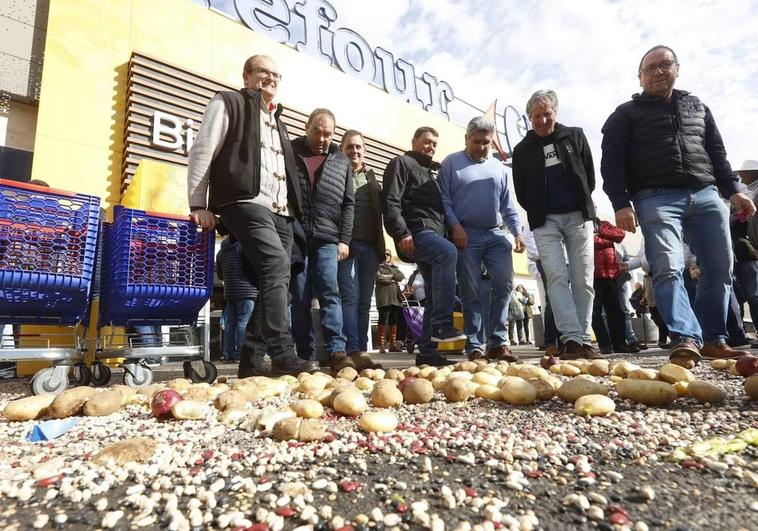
<point>587,51</point>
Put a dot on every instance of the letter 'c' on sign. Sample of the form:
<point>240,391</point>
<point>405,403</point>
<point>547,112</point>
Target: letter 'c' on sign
<point>361,61</point>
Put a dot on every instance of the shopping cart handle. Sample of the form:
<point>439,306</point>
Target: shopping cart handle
<point>35,187</point>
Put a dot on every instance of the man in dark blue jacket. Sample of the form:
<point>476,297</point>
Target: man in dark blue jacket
<point>326,186</point>
<point>663,153</point>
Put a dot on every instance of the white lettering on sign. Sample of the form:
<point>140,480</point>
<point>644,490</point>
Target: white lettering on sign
<point>171,133</point>
<point>306,27</point>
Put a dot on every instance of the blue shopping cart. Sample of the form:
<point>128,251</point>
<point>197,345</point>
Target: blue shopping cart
<point>48,244</point>
<point>156,271</point>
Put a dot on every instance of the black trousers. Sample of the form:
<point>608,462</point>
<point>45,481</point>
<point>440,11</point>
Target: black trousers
<point>607,298</point>
<point>266,240</point>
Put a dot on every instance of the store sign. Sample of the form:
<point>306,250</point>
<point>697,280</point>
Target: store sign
<point>171,133</point>
<point>307,27</point>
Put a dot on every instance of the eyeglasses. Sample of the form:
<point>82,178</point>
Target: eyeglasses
<point>273,75</point>
<point>665,66</point>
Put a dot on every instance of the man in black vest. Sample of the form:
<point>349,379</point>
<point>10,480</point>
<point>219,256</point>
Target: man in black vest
<point>243,162</point>
<point>663,153</point>
<point>325,178</point>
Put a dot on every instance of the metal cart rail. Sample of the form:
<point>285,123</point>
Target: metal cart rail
<point>48,244</point>
<point>156,270</point>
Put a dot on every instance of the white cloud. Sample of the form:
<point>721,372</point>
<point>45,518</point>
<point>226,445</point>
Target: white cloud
<point>587,51</point>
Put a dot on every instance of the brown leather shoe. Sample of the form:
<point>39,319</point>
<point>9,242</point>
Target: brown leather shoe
<point>340,360</point>
<point>476,354</point>
<point>362,360</point>
<point>502,353</point>
<point>721,351</point>
<point>553,350</point>
<point>590,353</point>
<point>572,351</point>
<point>685,353</point>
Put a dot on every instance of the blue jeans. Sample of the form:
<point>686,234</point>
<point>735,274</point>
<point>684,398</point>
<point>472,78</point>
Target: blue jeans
<point>436,257</point>
<point>747,276</point>
<point>356,275</point>
<point>237,313</point>
<point>318,279</point>
<point>669,217</point>
<point>570,287</point>
<point>491,248</point>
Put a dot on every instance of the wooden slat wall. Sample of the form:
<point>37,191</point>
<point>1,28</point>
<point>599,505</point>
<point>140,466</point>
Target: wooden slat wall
<point>157,86</point>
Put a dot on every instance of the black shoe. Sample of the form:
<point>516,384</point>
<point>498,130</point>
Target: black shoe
<point>447,334</point>
<point>261,365</point>
<point>434,360</point>
<point>290,363</point>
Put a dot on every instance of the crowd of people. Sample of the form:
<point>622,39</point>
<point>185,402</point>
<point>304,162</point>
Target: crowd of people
<point>308,219</point>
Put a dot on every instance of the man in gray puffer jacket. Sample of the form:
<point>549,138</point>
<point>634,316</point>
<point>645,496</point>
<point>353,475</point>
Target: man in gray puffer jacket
<point>326,184</point>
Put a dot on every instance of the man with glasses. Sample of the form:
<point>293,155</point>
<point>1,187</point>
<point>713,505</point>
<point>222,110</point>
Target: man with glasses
<point>478,204</point>
<point>415,217</point>
<point>357,272</point>
<point>664,165</point>
<point>242,169</point>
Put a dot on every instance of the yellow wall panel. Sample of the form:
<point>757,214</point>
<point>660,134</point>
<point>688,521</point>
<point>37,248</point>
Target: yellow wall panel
<point>99,125</point>
<point>173,30</point>
<point>84,70</point>
<point>78,167</point>
<point>101,25</point>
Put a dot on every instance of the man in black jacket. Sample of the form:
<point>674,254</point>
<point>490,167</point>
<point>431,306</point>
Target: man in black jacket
<point>415,217</point>
<point>242,168</point>
<point>554,177</point>
<point>325,177</point>
<point>663,153</point>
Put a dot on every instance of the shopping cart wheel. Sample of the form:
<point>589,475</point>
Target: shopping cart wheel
<point>101,374</point>
<point>209,370</point>
<point>137,374</point>
<point>82,374</point>
<point>50,381</point>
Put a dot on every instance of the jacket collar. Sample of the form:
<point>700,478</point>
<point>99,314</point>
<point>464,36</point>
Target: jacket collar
<point>424,160</point>
<point>300,145</point>
<point>255,95</point>
<point>644,97</point>
<point>559,132</point>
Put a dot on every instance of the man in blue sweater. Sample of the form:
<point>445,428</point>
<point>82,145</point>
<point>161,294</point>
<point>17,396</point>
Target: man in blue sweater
<point>478,205</point>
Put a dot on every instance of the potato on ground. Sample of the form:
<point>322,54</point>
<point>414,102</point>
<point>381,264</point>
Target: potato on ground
<point>229,400</point>
<point>594,405</point>
<point>70,402</point>
<point>419,391</point>
<point>518,391</point>
<point>573,389</point>
<point>189,410</point>
<point>544,389</point>
<point>28,408</point>
<point>706,392</point>
<point>566,369</point>
<point>651,393</point>
<point>313,384</point>
<point>489,392</point>
<point>309,409</point>
<point>672,373</point>
<point>348,373</point>
<point>378,421</point>
<point>295,428</point>
<point>598,368</point>
<point>751,386</point>
<point>386,395</point>
<point>103,403</point>
<point>458,389</point>
<point>364,384</point>
<point>485,378</point>
<point>199,394</point>
<point>350,403</point>
<point>643,374</point>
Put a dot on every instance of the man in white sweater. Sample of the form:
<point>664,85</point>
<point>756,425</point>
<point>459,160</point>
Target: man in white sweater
<point>242,169</point>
